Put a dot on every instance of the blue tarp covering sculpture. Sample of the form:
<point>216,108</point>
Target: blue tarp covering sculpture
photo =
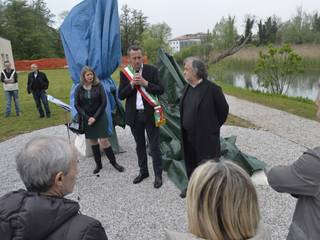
<point>91,36</point>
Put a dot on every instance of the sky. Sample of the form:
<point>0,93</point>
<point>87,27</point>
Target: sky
<point>186,16</point>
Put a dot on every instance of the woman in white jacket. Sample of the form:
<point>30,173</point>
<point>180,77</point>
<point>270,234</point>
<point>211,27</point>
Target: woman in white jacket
<point>222,204</point>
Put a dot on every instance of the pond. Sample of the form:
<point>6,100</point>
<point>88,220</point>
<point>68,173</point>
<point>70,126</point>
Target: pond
<point>303,85</point>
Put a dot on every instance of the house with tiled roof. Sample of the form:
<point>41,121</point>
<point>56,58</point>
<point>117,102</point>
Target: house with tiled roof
<point>179,43</point>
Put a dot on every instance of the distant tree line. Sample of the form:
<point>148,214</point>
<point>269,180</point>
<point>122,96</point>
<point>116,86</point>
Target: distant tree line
<point>28,25</point>
<point>302,28</point>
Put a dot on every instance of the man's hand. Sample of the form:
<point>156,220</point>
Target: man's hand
<point>139,80</point>
<point>91,121</point>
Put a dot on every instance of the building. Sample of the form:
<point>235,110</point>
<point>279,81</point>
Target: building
<point>5,52</point>
<point>179,43</point>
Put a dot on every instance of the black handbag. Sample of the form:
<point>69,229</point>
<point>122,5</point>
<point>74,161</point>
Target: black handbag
<point>76,125</point>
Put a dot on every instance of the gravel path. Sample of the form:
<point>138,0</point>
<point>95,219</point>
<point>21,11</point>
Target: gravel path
<point>299,130</point>
<point>137,212</point>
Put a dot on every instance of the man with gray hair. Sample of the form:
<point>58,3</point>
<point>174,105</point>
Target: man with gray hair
<point>203,110</point>
<point>37,85</point>
<point>48,168</point>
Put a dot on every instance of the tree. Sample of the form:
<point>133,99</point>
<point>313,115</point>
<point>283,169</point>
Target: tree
<point>316,23</point>
<point>28,26</point>
<point>267,31</point>
<point>249,22</point>
<point>132,25</point>
<point>277,66</point>
<point>302,28</point>
<point>225,33</point>
<point>154,37</point>
<point>191,50</point>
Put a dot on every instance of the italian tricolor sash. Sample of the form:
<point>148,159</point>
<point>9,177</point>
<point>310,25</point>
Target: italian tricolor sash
<point>128,71</point>
<point>160,120</point>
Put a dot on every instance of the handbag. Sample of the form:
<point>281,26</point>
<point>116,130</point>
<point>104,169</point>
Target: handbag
<point>76,125</point>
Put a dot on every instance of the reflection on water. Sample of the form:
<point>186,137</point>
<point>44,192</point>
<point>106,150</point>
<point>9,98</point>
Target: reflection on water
<point>304,85</point>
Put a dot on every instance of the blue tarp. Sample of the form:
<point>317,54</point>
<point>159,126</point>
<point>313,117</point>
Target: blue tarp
<point>91,36</point>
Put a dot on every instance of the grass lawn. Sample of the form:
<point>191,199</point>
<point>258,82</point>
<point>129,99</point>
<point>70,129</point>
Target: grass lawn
<point>59,87</point>
<point>298,106</point>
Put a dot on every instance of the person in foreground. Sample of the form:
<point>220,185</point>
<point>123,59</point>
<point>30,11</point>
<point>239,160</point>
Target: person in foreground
<point>48,168</point>
<point>301,179</point>
<point>203,110</point>
<point>222,204</point>
<point>140,112</point>
<point>90,102</point>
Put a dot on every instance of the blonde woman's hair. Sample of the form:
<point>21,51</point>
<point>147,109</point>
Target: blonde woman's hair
<point>222,202</point>
<point>84,70</point>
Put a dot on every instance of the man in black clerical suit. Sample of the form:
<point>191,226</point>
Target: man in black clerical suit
<point>203,110</point>
<point>139,113</point>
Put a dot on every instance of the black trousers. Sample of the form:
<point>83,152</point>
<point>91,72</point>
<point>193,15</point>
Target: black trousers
<point>40,96</point>
<point>191,155</point>
<point>153,133</point>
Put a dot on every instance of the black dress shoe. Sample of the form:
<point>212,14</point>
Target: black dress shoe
<point>183,193</point>
<point>117,166</point>
<point>140,178</point>
<point>157,182</point>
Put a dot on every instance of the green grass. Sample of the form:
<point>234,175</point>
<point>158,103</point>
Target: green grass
<point>298,106</point>
<point>233,120</point>
<point>59,87</point>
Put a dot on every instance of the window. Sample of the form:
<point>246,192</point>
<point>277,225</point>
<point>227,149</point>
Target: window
<point>7,57</point>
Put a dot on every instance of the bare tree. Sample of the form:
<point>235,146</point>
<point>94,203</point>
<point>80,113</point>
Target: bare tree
<point>240,43</point>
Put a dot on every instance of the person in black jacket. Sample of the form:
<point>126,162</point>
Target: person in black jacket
<point>203,110</point>
<point>48,168</point>
<point>37,85</point>
<point>90,102</point>
<point>140,114</point>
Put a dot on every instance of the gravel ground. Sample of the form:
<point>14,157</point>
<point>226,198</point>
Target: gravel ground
<point>297,129</point>
<point>137,212</point>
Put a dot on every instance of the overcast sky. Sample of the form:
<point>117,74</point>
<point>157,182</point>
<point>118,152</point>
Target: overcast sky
<point>191,16</point>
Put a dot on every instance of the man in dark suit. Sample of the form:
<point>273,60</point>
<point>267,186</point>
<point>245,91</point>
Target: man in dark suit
<point>203,110</point>
<point>140,113</point>
<point>37,85</point>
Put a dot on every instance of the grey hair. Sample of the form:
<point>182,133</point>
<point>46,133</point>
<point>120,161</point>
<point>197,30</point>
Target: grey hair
<point>41,159</point>
<point>198,67</point>
<point>83,72</point>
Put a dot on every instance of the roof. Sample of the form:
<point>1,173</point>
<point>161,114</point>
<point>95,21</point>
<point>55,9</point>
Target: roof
<point>5,39</point>
<point>189,37</point>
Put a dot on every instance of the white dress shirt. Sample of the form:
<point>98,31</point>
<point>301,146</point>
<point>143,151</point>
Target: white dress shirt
<point>139,101</point>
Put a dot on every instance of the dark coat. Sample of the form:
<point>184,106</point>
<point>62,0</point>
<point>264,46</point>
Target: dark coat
<point>96,107</point>
<point>8,75</point>
<point>41,77</point>
<point>150,73</point>
<point>29,216</point>
<point>212,112</point>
